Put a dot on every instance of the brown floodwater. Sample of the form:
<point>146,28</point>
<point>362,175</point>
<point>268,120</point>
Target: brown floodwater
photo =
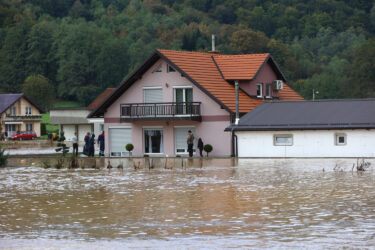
<point>215,203</point>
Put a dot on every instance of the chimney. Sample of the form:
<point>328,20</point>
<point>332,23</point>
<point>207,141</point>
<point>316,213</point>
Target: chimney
<point>213,51</point>
<point>237,102</point>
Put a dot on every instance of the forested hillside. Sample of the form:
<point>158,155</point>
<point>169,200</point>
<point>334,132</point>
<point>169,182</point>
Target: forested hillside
<point>84,46</point>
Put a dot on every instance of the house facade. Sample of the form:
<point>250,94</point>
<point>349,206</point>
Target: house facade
<point>173,92</point>
<point>74,120</point>
<point>324,128</point>
<point>19,113</point>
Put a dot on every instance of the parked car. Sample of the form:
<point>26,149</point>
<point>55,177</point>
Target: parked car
<point>24,135</point>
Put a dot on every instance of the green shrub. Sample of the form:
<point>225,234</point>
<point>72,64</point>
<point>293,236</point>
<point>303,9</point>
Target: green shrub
<point>207,148</point>
<point>3,158</point>
<point>129,147</point>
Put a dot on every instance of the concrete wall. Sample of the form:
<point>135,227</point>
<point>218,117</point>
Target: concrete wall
<point>211,129</point>
<point>307,143</point>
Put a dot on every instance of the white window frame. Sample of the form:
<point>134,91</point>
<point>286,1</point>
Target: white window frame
<point>275,136</point>
<point>158,69</point>
<point>122,153</point>
<point>12,110</point>
<point>184,96</point>
<point>337,137</point>
<point>269,87</point>
<point>261,90</point>
<point>28,111</point>
<point>143,139</point>
<point>170,67</point>
<point>146,88</point>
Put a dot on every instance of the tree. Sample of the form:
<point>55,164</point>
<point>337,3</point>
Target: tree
<point>249,41</point>
<point>40,89</point>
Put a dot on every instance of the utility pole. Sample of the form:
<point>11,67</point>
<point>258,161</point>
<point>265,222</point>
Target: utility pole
<point>315,93</point>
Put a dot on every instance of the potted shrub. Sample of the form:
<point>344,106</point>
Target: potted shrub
<point>207,148</point>
<point>129,147</point>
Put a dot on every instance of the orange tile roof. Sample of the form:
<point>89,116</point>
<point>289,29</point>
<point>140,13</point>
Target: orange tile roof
<point>240,67</point>
<point>94,104</point>
<point>287,93</point>
<point>202,69</point>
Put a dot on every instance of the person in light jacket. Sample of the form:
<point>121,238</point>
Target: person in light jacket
<point>190,143</point>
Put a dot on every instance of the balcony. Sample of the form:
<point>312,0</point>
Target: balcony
<point>20,118</point>
<point>188,111</point>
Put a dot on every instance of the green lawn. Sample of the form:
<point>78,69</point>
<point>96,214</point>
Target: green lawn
<point>66,104</point>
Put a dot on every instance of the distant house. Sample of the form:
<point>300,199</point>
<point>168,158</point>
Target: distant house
<point>323,128</point>
<point>19,113</point>
<point>175,91</point>
<point>71,120</point>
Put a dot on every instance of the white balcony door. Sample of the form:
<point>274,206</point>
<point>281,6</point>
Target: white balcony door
<point>153,141</point>
<point>182,96</point>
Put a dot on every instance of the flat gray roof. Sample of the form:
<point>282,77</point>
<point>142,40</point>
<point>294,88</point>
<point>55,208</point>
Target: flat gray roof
<point>319,114</point>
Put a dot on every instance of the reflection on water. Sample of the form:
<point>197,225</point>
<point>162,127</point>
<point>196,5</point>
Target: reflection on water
<point>256,203</point>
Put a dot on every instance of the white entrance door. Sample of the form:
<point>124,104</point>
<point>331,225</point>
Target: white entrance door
<point>118,138</point>
<point>180,135</point>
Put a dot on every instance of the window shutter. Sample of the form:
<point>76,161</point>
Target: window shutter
<point>153,95</point>
<point>180,139</point>
<point>119,137</point>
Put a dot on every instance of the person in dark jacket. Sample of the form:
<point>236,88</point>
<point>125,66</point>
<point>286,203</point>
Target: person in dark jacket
<point>101,144</point>
<point>200,146</point>
<point>86,147</point>
<point>91,145</point>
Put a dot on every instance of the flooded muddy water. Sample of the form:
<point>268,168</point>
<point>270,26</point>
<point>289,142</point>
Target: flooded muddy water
<point>244,204</point>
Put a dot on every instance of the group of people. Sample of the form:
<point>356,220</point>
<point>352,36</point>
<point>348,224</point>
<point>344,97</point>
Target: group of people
<point>190,143</point>
<point>89,147</point>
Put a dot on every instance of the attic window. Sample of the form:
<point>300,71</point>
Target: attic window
<point>171,69</point>
<point>159,68</point>
<point>259,90</point>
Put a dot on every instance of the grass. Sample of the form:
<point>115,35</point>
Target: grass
<point>66,104</point>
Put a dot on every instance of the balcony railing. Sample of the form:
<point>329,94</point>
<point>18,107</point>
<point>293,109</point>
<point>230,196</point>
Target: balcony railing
<point>9,117</point>
<point>161,111</point>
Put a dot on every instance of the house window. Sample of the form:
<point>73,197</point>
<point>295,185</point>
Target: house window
<point>183,96</point>
<point>283,140</point>
<point>101,127</point>
<point>29,127</point>
<point>260,90</point>
<point>340,139</point>
<point>12,111</point>
<point>28,111</point>
<point>153,141</point>
<point>268,90</point>
<point>153,94</point>
<point>171,69</point>
<point>158,68</point>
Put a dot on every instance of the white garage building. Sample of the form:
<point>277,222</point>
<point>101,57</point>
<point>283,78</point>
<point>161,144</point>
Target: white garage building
<point>323,128</point>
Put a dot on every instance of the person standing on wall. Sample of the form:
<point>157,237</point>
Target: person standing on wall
<point>101,144</point>
<point>75,144</point>
<point>86,146</point>
<point>190,142</point>
<point>91,145</point>
<point>200,146</point>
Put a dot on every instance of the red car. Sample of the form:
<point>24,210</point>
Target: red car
<point>24,135</point>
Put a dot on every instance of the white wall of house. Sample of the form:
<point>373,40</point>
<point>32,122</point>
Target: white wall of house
<point>307,143</point>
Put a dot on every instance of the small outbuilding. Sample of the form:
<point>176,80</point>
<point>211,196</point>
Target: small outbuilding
<point>321,128</point>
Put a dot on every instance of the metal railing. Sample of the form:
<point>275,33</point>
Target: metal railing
<point>9,117</point>
<point>164,109</point>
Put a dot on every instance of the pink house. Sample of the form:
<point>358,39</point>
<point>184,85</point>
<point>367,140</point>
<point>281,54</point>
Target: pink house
<point>175,91</point>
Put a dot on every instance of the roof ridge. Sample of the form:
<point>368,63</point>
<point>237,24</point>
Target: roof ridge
<point>255,54</point>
